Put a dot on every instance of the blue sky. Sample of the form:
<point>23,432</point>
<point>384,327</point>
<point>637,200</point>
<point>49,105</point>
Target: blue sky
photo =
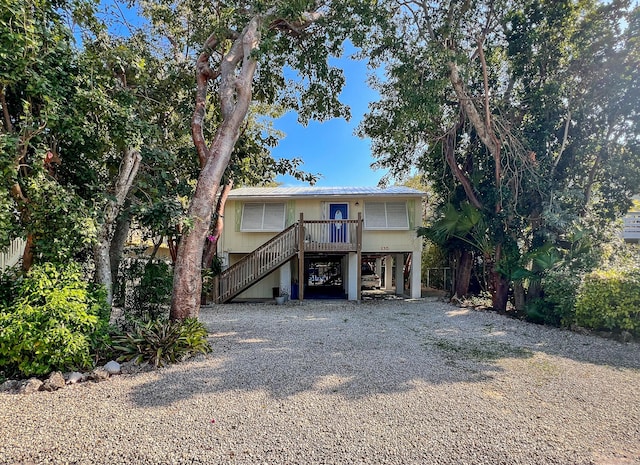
<point>331,148</point>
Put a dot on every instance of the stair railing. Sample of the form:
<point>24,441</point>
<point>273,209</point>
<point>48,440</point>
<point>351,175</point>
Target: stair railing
<point>258,264</point>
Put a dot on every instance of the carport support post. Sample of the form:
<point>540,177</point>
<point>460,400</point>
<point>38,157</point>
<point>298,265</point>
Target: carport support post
<point>398,260</point>
<point>359,253</point>
<point>416,273</point>
<point>301,258</point>
<point>353,285</point>
<point>388,272</point>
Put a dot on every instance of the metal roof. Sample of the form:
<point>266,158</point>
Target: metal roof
<point>287,192</point>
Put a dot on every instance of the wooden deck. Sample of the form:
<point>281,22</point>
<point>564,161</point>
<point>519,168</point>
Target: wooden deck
<point>330,236</point>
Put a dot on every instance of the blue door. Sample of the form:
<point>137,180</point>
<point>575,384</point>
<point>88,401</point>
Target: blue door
<point>338,231</point>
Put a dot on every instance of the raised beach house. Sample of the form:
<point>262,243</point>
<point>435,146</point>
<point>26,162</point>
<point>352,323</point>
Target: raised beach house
<point>318,242</point>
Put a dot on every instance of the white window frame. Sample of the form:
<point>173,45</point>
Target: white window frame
<point>387,226</point>
<point>265,214</point>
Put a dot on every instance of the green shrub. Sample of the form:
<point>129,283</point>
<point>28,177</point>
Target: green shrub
<point>10,279</point>
<point>610,300</point>
<point>162,342</point>
<point>145,289</point>
<point>54,322</point>
<point>557,307</point>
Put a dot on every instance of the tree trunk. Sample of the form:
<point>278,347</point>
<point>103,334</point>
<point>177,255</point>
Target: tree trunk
<point>519,297</point>
<point>499,292</point>
<point>103,262</point>
<point>123,224</point>
<point>234,95</point>
<point>212,244</point>
<point>101,250</point>
<point>499,285</point>
<point>463,274</point>
<point>187,275</point>
<point>27,255</point>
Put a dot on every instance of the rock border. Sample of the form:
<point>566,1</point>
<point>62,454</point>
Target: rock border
<point>58,380</point>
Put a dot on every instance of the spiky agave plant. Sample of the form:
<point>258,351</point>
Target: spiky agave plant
<point>161,342</point>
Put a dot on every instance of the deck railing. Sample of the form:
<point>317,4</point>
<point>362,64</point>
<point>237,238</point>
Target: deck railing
<point>330,235</point>
<point>13,254</point>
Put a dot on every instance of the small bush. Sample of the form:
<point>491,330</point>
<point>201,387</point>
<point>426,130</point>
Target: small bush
<point>610,300</point>
<point>144,289</point>
<point>54,322</point>
<point>162,342</point>
<point>557,307</point>
<point>153,294</point>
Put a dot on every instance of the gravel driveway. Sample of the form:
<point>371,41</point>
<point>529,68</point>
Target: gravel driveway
<point>415,382</point>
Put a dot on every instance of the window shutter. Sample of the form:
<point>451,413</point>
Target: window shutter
<point>411,210</point>
<point>291,213</point>
<point>263,217</point>
<point>273,217</point>
<point>397,215</point>
<point>252,216</point>
<point>238,221</point>
<point>374,215</point>
<point>386,215</point>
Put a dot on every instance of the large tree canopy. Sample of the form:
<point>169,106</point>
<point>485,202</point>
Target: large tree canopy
<point>526,110</point>
<point>247,53</point>
<point>98,134</point>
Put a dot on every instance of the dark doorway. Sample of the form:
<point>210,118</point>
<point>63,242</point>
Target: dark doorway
<point>324,278</point>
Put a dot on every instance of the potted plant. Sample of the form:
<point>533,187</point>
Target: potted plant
<point>284,292</point>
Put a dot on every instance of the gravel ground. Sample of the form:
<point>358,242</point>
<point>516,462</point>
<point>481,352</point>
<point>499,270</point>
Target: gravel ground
<point>397,382</point>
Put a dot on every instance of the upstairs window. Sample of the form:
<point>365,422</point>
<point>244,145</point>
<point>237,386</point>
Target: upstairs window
<point>386,215</point>
<point>263,217</point>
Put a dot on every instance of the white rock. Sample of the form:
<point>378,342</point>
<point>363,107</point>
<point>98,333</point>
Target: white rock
<point>75,377</point>
<point>113,367</point>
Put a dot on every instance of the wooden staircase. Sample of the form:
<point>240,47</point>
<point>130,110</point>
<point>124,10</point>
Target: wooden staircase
<point>258,264</point>
<point>315,236</point>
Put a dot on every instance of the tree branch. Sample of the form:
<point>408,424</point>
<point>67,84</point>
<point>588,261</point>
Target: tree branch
<point>5,111</point>
<point>563,147</point>
<point>204,74</point>
<point>487,118</point>
<point>450,157</point>
<point>230,61</point>
<point>128,171</point>
<point>242,83</point>
<point>296,28</point>
<point>485,133</point>
<point>218,225</point>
